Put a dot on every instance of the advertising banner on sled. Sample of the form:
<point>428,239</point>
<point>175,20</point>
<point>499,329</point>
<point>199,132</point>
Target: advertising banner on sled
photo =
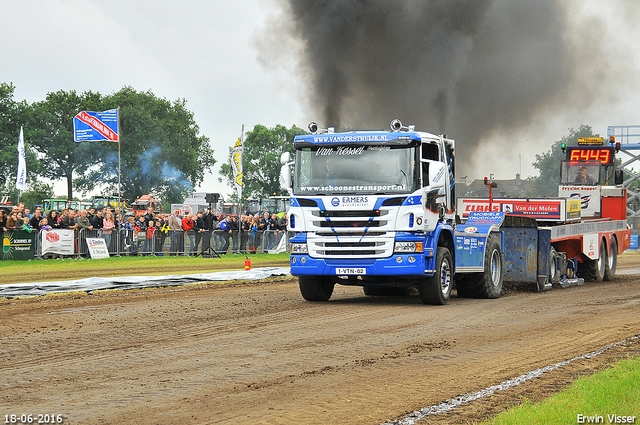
<point>18,245</point>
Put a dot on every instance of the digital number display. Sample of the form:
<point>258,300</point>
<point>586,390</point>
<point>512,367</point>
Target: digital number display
<point>603,155</point>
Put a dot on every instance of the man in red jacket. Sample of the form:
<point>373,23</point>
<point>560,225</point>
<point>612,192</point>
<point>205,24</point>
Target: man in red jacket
<point>187,226</point>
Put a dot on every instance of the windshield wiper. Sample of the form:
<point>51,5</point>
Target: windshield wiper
<point>406,179</point>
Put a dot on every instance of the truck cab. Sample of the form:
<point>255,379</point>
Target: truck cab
<point>373,209</point>
<point>145,201</point>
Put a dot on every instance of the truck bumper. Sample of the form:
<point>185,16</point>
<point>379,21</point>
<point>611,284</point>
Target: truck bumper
<point>408,265</point>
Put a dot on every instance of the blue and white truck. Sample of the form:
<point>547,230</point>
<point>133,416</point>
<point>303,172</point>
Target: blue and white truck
<point>377,209</point>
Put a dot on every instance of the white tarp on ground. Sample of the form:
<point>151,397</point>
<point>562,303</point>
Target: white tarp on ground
<point>134,282</point>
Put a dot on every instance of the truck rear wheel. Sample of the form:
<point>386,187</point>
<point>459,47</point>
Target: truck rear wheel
<point>595,269</point>
<point>315,288</point>
<point>612,260</point>
<point>489,283</point>
<point>436,290</point>
<point>490,286</point>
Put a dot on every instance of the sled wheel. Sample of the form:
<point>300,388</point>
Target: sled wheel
<point>595,269</point>
<point>612,260</point>
<point>554,273</point>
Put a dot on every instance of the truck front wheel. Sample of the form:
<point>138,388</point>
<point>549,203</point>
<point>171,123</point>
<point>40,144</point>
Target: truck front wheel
<point>436,289</point>
<point>315,288</point>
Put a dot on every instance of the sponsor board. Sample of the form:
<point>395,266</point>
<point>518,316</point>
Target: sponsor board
<point>57,241</point>
<point>97,248</point>
<point>539,209</point>
<point>18,245</point>
<point>589,197</point>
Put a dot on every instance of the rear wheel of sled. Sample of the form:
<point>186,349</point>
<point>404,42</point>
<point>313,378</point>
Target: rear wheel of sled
<point>315,288</point>
<point>595,269</point>
<point>554,273</point>
<point>612,260</point>
<point>436,289</point>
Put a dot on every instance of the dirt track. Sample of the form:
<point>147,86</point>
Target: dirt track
<point>257,353</point>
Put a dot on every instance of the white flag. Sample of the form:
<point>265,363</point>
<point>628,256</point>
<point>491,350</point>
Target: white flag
<point>22,164</point>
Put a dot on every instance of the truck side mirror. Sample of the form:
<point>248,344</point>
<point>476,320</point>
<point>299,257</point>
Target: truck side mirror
<point>285,177</point>
<point>437,175</point>
<point>618,177</point>
<point>285,172</point>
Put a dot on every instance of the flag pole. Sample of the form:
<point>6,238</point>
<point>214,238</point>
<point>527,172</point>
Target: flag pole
<point>119,169</point>
<point>242,168</point>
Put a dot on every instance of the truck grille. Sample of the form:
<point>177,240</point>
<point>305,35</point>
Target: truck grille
<point>349,246</point>
<point>349,233</point>
<point>350,223</point>
<point>354,219</point>
<point>349,214</point>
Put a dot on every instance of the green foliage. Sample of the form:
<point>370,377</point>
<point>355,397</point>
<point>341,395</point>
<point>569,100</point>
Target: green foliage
<point>162,152</point>
<point>35,193</point>
<point>261,170</point>
<point>51,129</point>
<point>12,115</point>
<point>546,184</point>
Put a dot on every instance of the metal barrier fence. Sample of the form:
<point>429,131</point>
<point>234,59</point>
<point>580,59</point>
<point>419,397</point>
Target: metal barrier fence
<point>123,242</point>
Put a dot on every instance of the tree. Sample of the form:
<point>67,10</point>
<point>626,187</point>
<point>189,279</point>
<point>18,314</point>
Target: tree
<point>13,115</point>
<point>35,192</point>
<point>546,184</point>
<point>162,152</point>
<point>51,129</point>
<point>261,166</point>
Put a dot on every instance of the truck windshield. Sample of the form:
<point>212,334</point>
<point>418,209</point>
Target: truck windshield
<point>354,169</point>
<point>580,173</point>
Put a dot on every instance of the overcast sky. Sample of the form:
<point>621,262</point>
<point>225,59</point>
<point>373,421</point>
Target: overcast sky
<point>202,51</point>
<point>207,53</point>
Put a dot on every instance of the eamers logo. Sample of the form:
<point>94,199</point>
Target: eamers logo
<point>350,201</point>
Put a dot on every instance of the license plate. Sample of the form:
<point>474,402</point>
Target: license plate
<point>350,270</point>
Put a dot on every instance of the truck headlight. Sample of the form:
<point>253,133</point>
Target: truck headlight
<point>299,248</point>
<point>408,247</point>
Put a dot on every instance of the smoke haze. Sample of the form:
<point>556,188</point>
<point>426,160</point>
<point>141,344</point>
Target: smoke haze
<point>467,68</point>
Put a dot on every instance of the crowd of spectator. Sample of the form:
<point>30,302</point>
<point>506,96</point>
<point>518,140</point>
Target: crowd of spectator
<point>145,234</point>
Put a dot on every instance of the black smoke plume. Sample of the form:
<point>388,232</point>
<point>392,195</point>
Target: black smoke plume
<point>466,68</point>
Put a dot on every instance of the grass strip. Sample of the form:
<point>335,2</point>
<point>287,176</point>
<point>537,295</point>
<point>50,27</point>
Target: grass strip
<point>70,269</point>
<point>607,397</point>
